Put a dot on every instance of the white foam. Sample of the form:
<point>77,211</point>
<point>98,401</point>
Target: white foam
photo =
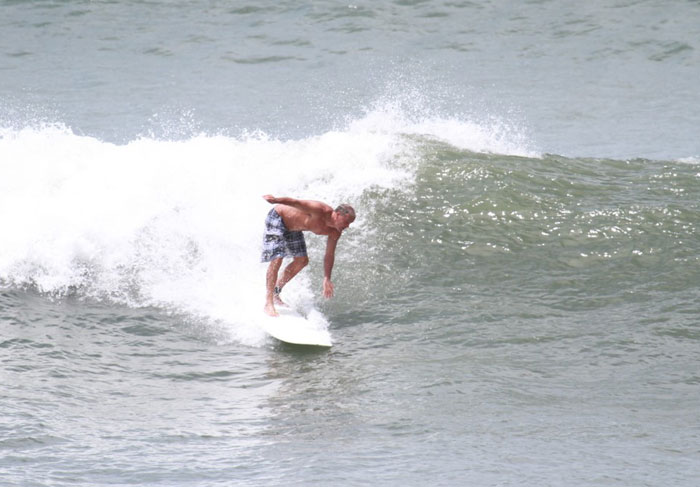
<point>174,224</point>
<point>690,160</point>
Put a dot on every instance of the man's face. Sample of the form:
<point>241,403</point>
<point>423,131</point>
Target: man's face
<point>343,220</point>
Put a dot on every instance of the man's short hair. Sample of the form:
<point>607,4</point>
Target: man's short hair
<point>345,209</point>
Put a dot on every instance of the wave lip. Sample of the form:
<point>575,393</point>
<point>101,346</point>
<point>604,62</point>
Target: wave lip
<point>495,135</point>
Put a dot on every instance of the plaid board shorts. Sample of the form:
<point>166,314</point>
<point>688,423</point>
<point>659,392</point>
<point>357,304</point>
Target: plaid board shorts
<point>278,242</point>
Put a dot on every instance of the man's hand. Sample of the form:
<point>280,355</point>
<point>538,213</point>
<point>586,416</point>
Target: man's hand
<point>327,288</point>
<point>270,199</point>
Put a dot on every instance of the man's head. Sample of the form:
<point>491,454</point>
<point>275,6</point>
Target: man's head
<point>344,215</point>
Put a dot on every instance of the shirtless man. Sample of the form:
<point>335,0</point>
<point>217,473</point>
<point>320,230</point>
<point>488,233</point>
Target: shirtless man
<point>284,238</point>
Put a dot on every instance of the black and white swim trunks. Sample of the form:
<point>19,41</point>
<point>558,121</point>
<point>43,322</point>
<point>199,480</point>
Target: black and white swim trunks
<point>278,242</point>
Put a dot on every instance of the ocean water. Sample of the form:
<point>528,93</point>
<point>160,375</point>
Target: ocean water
<point>517,304</point>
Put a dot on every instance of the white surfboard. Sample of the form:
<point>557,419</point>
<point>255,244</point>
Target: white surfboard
<point>291,327</point>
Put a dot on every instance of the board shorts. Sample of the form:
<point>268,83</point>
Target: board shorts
<point>278,242</point>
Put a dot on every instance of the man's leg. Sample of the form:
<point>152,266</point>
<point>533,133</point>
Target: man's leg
<point>272,271</point>
<point>289,272</point>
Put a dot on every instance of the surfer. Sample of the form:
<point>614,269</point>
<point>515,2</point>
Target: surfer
<point>284,238</point>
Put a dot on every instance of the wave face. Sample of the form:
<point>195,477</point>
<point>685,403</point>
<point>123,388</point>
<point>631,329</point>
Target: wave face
<point>551,235</point>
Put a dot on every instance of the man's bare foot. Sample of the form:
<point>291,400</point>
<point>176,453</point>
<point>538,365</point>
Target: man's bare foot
<point>270,310</point>
<point>278,301</point>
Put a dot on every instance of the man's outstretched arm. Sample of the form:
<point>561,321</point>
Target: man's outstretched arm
<point>309,206</point>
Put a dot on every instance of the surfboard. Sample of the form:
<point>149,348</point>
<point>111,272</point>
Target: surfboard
<point>291,327</point>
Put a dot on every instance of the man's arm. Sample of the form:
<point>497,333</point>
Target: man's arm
<point>328,261</point>
<point>309,206</point>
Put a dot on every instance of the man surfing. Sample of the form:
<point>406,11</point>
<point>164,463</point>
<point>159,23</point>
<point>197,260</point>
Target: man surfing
<point>284,238</point>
